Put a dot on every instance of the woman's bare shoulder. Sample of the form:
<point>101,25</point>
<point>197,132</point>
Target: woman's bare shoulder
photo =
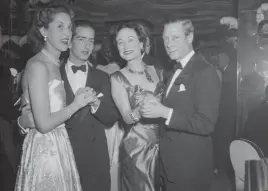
<point>36,63</point>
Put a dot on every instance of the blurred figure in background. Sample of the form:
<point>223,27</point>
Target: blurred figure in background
<point>109,53</point>
<point>256,128</point>
<point>9,153</point>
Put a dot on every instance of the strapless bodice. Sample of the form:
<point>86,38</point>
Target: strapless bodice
<point>57,96</point>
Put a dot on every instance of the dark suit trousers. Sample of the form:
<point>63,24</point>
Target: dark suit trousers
<point>91,157</point>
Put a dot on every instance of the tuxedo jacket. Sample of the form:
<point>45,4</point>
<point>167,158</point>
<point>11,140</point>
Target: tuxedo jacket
<point>185,144</point>
<point>87,132</point>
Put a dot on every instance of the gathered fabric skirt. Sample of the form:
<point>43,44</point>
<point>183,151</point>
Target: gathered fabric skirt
<point>47,163</point>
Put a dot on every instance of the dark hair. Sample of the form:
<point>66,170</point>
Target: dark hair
<point>261,27</point>
<point>42,18</point>
<point>80,23</point>
<point>137,27</point>
<point>108,51</point>
<point>4,72</point>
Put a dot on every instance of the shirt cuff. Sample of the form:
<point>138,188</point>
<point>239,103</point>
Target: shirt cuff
<point>22,130</point>
<point>169,117</point>
<point>95,106</point>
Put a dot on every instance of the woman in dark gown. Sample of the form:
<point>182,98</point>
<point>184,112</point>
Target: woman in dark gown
<point>131,87</point>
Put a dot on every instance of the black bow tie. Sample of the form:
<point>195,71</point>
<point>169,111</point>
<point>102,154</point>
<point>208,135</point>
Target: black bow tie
<point>76,68</point>
<point>177,66</point>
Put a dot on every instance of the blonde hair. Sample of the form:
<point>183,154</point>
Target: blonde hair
<point>186,23</point>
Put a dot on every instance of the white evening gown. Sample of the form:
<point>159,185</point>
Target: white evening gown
<point>47,162</point>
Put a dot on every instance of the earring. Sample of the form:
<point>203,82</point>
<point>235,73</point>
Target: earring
<point>45,38</point>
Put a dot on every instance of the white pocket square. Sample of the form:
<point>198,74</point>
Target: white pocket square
<point>182,88</point>
<point>100,95</point>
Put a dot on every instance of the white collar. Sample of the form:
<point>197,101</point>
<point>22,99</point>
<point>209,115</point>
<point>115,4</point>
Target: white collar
<point>71,63</point>
<point>142,55</point>
<point>186,59</point>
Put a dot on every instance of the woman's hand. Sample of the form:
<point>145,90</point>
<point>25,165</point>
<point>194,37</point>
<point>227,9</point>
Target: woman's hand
<point>84,96</point>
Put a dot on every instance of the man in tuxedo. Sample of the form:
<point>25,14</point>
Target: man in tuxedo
<point>190,109</point>
<point>86,128</point>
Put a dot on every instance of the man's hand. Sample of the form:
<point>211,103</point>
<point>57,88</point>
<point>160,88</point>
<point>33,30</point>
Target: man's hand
<point>26,119</point>
<point>154,109</point>
<point>92,96</point>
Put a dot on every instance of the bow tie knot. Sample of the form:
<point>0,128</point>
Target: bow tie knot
<point>81,68</point>
<point>177,66</point>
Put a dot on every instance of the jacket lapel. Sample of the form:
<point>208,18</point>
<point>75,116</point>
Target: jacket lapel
<point>67,86</point>
<point>181,79</point>
<point>191,67</point>
<point>89,76</point>
<point>89,83</point>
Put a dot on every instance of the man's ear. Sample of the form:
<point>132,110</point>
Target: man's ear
<point>190,38</point>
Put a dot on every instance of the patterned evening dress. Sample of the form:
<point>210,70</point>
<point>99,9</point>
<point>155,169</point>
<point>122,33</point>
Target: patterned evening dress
<point>47,162</point>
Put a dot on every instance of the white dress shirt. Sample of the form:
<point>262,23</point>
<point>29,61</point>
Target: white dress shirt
<point>183,62</point>
<point>77,80</point>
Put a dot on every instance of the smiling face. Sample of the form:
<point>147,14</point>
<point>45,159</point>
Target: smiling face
<point>58,32</point>
<point>82,43</point>
<point>128,44</point>
<point>177,43</point>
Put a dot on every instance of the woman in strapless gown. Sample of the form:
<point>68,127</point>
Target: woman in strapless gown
<point>47,161</point>
<point>131,87</point>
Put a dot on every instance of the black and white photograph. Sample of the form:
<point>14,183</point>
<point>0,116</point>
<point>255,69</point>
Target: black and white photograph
<point>133,95</point>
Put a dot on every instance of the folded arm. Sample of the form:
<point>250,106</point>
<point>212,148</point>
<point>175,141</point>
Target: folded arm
<point>121,100</point>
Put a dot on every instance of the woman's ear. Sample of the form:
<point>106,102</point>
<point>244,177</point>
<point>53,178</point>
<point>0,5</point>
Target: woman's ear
<point>142,46</point>
<point>43,32</point>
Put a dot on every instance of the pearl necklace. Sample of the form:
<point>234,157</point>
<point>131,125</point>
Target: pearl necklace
<point>54,60</point>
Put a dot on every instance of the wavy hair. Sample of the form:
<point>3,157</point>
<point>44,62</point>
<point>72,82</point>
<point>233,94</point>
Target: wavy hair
<point>42,18</point>
<point>138,27</point>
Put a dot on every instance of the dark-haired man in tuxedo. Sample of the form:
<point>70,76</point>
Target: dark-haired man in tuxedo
<point>86,128</point>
